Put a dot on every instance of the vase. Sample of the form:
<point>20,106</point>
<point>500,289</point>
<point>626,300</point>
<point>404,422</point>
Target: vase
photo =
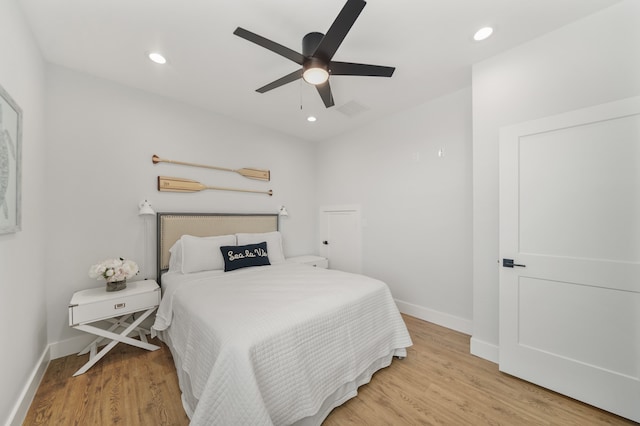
<point>117,285</point>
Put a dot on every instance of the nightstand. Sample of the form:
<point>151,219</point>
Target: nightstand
<point>318,261</point>
<point>117,308</point>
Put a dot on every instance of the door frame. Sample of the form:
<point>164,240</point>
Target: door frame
<point>335,208</point>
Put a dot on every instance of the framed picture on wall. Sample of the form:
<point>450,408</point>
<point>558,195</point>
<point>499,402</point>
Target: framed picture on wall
<point>10,163</point>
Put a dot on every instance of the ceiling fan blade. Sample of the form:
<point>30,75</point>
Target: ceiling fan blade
<point>281,81</point>
<point>339,29</point>
<point>270,45</point>
<point>324,90</point>
<point>348,68</point>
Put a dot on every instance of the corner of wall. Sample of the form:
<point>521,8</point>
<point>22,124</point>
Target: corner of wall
<point>485,350</point>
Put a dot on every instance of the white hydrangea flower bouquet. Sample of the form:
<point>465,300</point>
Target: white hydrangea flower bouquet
<point>114,270</point>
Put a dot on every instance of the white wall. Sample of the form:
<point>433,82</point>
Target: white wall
<point>589,62</point>
<point>101,137</point>
<point>416,206</point>
<point>81,188</point>
<point>23,327</point>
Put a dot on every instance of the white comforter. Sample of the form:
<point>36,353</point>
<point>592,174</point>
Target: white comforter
<point>268,345</point>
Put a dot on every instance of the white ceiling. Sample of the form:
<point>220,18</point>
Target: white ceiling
<point>428,41</point>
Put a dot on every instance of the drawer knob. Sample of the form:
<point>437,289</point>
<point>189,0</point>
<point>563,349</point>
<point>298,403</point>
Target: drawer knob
<point>119,305</point>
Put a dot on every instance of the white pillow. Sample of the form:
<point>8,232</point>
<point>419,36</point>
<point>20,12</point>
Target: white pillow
<point>274,244</point>
<point>203,253</point>
<point>175,257</point>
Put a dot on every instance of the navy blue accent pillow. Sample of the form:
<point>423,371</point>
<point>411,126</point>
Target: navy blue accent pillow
<point>236,257</point>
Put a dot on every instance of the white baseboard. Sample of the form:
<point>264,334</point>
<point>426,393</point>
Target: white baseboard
<point>19,412</point>
<point>446,320</point>
<point>479,348</point>
<point>485,350</point>
<point>69,346</point>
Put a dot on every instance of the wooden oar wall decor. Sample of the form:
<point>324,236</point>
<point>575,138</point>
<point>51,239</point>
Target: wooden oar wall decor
<point>173,184</point>
<point>246,172</point>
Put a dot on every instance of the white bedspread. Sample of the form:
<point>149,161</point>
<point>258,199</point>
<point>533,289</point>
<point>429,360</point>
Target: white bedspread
<point>268,345</point>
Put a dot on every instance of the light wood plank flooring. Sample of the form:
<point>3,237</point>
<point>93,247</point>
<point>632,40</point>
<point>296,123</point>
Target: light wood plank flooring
<point>438,383</point>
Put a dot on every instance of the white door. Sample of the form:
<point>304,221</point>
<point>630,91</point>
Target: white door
<point>340,237</point>
<point>570,214</point>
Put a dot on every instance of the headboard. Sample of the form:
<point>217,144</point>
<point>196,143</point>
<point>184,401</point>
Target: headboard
<point>171,226</point>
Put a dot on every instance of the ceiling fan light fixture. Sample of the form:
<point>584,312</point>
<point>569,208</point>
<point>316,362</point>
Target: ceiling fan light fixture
<point>315,75</point>
<point>315,72</point>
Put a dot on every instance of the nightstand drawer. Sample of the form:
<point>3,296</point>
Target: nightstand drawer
<point>317,261</point>
<point>112,307</point>
<point>320,263</point>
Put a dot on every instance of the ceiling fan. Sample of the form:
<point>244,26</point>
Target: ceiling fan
<point>317,51</point>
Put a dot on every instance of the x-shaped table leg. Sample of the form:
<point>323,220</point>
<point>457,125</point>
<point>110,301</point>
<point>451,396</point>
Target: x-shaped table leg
<point>115,338</point>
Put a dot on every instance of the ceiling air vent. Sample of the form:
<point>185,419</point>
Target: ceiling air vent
<point>352,108</point>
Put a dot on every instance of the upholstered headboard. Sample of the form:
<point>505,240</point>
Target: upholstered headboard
<point>171,226</point>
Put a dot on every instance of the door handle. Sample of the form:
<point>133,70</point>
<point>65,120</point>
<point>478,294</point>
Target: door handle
<point>325,242</point>
<point>508,263</point>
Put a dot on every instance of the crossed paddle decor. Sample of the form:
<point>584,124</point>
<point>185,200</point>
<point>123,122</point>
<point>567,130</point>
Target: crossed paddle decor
<point>173,184</point>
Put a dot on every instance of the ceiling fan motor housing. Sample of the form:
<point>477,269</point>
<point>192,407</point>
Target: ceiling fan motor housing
<point>315,70</point>
<point>310,42</point>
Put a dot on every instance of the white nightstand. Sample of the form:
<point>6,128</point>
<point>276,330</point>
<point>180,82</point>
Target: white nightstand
<point>318,261</point>
<point>117,307</point>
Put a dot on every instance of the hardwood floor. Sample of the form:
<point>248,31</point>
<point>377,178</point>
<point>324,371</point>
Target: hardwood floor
<point>129,386</point>
<point>438,383</point>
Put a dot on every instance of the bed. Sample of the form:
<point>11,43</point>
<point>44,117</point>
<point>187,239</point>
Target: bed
<point>276,344</point>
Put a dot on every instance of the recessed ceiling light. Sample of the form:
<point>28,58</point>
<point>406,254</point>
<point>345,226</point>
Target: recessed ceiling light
<point>157,58</point>
<point>311,118</point>
<point>483,33</point>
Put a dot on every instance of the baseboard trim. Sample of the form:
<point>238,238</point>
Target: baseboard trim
<point>485,350</point>
<point>69,346</point>
<point>446,320</point>
<point>21,408</point>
